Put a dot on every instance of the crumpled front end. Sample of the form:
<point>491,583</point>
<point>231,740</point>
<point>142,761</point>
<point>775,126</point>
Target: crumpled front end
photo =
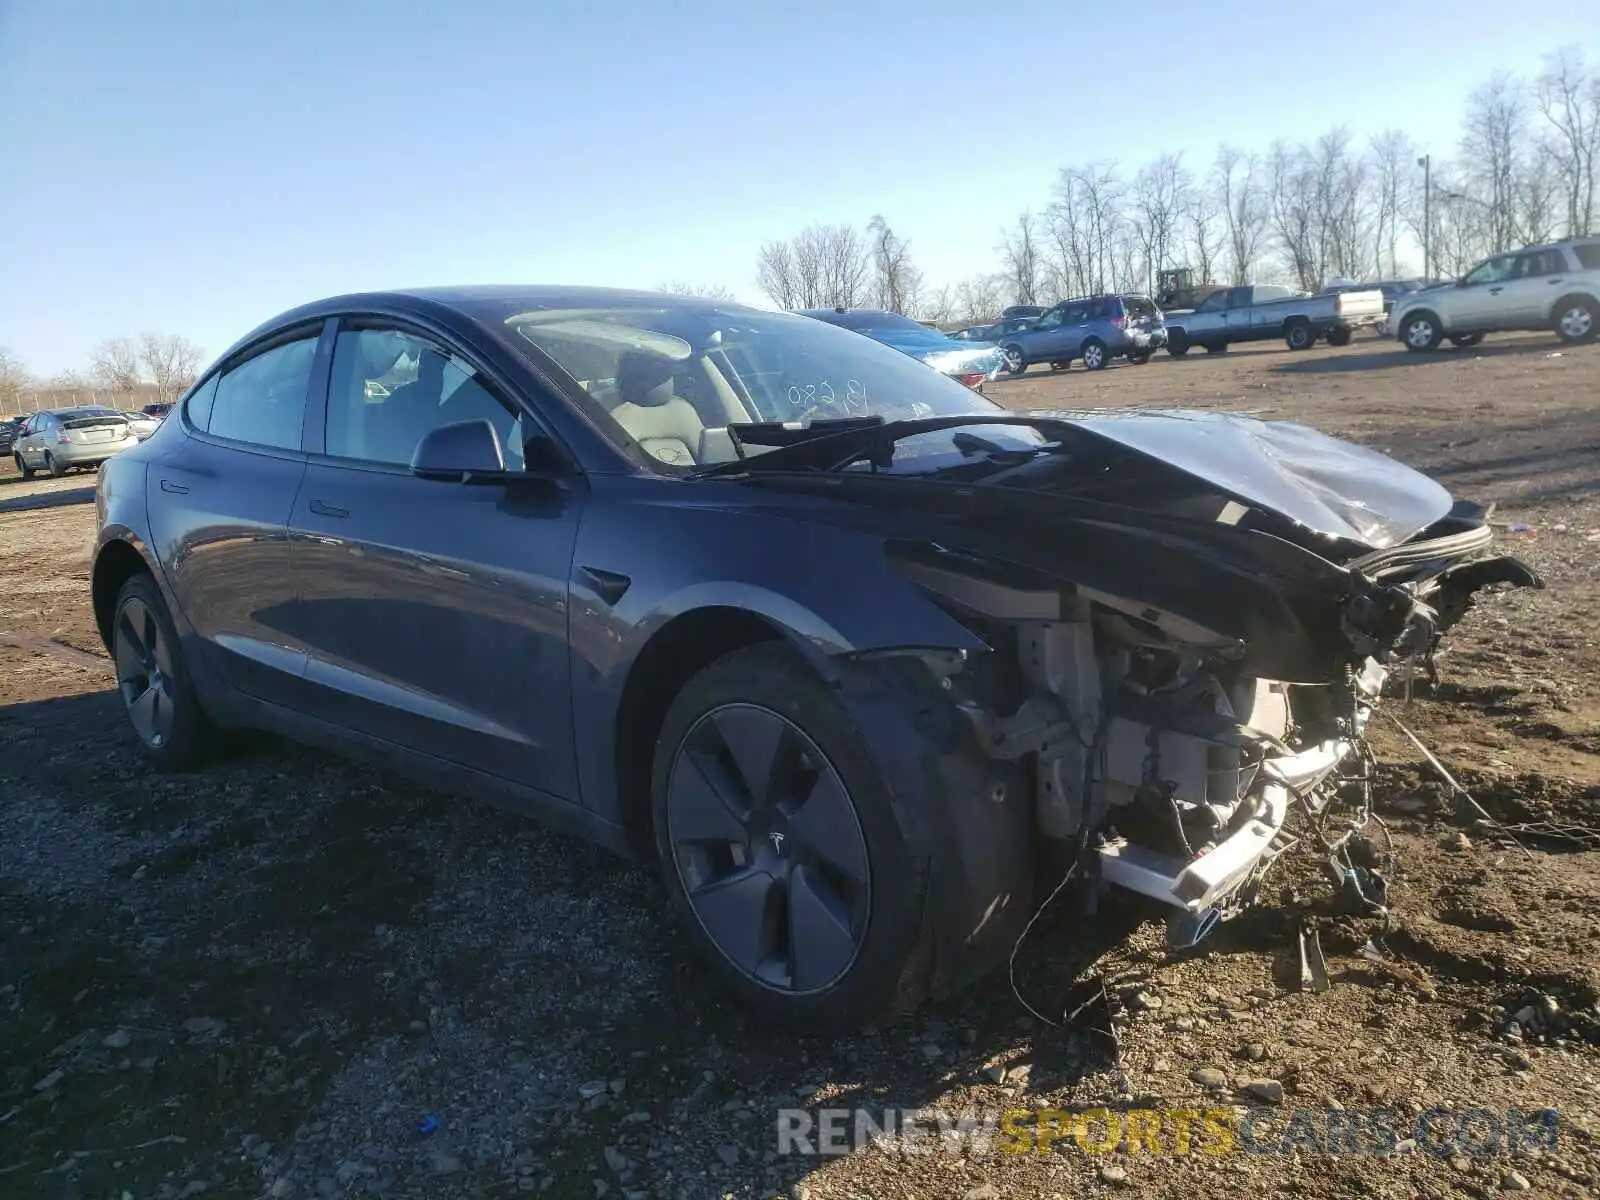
<point>1173,757</point>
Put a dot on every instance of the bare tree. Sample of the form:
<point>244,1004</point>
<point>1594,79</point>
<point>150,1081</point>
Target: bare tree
<point>1160,191</point>
<point>1392,154</point>
<point>1243,207</point>
<point>709,291</point>
<point>13,382</point>
<point>939,306</point>
<point>1020,247</point>
<point>896,281</point>
<point>825,266</point>
<point>1493,153</point>
<point>1292,203</point>
<point>979,298</point>
<point>1205,230</point>
<point>170,360</point>
<point>115,366</point>
<point>1569,98</point>
<point>1086,223</point>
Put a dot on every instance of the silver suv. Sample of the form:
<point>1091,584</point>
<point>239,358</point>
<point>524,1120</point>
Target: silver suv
<point>1553,287</point>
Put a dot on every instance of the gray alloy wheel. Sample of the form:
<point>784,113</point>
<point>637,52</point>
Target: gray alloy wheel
<point>1421,332</point>
<point>1094,355</point>
<point>1576,322</point>
<point>1014,360</point>
<point>768,848</point>
<point>145,675</point>
<point>50,464</point>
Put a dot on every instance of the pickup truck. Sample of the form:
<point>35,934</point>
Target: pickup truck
<point>1259,311</point>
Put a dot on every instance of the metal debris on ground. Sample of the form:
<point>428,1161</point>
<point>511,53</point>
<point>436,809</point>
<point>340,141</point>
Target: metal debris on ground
<point>1313,967</point>
<point>1455,786</point>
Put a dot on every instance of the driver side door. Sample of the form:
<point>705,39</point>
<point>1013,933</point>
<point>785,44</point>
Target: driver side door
<point>434,613</point>
<point>1476,303</point>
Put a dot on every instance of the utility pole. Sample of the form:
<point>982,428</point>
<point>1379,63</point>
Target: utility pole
<point>1426,163</point>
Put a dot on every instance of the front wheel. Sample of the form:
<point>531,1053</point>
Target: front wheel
<point>1177,343</point>
<point>779,846</point>
<point>1421,332</point>
<point>1464,340</point>
<point>1094,355</point>
<point>1577,320</point>
<point>153,679</point>
<point>1015,363</point>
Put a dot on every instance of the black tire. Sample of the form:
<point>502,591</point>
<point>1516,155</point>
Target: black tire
<point>1464,340</point>
<point>1299,335</point>
<point>1177,343</point>
<point>885,973</point>
<point>23,468</point>
<point>1576,319</point>
<point>1016,364</point>
<point>50,464</point>
<point>1420,331</point>
<point>1340,335</point>
<point>1216,347</point>
<point>185,733</point>
<point>1094,355</point>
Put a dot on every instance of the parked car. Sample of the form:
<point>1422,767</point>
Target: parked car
<point>845,672</point>
<point>1258,312</point>
<point>1555,287</point>
<point>8,433</point>
<point>143,423</point>
<point>61,439</point>
<point>992,332</point>
<point>971,363</point>
<point>1393,290</point>
<point>1026,311</point>
<point>158,410</point>
<point>1095,329</point>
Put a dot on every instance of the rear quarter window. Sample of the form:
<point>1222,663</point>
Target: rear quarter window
<point>1588,255</point>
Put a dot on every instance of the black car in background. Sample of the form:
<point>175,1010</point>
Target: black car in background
<point>8,434</point>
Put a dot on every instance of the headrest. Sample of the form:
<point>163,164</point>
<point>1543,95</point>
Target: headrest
<point>644,378</point>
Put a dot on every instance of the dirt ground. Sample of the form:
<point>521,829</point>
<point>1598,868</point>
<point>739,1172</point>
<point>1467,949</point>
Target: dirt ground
<point>289,976</point>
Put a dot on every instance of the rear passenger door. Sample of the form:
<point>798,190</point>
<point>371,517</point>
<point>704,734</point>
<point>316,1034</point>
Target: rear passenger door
<point>435,612</point>
<point>219,500</point>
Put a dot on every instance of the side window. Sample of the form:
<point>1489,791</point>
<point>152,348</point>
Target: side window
<point>263,400</point>
<point>1495,270</point>
<point>199,405</point>
<point>1051,319</point>
<point>1239,297</point>
<point>1214,302</point>
<point>391,388</point>
<point>1588,255</point>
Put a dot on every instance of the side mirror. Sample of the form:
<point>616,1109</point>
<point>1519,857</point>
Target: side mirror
<point>463,452</point>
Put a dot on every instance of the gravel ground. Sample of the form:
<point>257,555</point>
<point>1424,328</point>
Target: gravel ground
<point>290,976</point>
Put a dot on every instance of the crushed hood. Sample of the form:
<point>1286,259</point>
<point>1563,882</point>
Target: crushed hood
<point>1331,487</point>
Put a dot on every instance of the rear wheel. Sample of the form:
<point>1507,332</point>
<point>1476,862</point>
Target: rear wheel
<point>1094,354</point>
<point>1465,339</point>
<point>1340,335</point>
<point>779,847</point>
<point>1577,320</point>
<point>1420,331</point>
<point>153,678</point>
<point>50,464</point>
<point>1298,335</point>
<point>1015,363</point>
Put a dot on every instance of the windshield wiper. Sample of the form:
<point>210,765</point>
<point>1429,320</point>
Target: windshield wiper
<point>792,433</point>
<point>834,445</point>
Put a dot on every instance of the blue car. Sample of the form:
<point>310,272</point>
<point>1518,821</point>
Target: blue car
<point>971,363</point>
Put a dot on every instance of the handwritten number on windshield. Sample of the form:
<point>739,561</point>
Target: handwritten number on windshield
<point>807,398</point>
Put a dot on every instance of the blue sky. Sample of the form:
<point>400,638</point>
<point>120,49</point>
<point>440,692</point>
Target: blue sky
<point>196,167</point>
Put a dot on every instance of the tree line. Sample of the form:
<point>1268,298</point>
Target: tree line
<point>1302,213</point>
<point>123,372</point>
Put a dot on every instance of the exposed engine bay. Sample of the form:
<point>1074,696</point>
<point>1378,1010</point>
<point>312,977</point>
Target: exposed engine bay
<point>1167,758</point>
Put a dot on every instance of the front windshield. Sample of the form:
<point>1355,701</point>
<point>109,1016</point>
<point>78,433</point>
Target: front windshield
<point>671,379</point>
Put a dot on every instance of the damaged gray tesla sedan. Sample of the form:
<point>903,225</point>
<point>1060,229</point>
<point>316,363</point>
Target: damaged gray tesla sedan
<point>864,662</point>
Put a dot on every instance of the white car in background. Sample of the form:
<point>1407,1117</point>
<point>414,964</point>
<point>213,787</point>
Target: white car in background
<point>143,423</point>
<point>1555,287</point>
